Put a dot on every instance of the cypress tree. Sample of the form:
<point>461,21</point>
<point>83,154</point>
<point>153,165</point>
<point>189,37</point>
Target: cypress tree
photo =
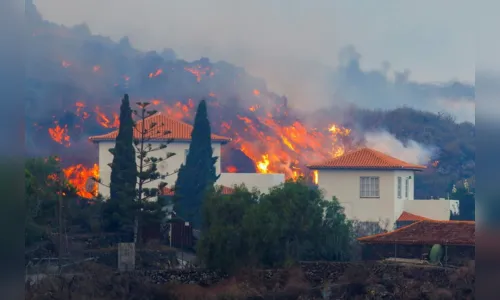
<point>120,211</point>
<point>198,174</point>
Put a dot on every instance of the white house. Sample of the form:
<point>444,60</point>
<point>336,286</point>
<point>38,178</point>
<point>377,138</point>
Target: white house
<point>181,134</point>
<point>373,186</point>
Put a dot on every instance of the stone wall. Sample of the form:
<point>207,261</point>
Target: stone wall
<point>146,259</point>
<point>316,273</point>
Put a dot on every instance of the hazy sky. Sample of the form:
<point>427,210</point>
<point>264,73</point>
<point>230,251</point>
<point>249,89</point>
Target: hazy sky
<point>434,39</point>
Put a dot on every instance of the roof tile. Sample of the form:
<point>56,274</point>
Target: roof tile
<point>178,130</point>
<point>365,158</point>
<point>428,232</point>
<point>406,216</point>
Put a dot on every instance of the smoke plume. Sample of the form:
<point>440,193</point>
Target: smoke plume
<point>411,151</point>
<point>299,59</point>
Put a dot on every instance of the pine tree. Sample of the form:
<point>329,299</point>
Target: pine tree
<point>147,171</point>
<point>118,211</point>
<point>124,168</point>
<point>198,175</point>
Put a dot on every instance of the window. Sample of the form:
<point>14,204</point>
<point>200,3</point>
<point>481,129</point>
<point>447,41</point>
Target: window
<point>407,187</point>
<point>400,185</point>
<point>369,187</point>
<point>186,155</point>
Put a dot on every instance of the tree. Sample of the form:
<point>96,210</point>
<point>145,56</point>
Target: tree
<point>198,174</point>
<point>147,171</point>
<point>118,210</point>
<point>292,222</point>
<point>224,243</point>
<point>45,187</point>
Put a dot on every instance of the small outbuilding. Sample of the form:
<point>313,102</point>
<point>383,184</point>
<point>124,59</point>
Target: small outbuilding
<point>415,241</point>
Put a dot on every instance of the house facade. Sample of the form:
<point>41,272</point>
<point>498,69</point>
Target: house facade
<point>375,187</point>
<point>180,134</point>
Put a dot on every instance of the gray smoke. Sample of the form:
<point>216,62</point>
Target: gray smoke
<point>299,59</point>
<point>412,152</point>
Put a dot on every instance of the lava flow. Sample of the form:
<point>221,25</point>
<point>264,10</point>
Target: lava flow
<point>266,132</point>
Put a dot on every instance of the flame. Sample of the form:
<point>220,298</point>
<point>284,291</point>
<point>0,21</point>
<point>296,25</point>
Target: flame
<point>256,92</point>
<point>273,146</point>
<point>263,164</point>
<point>157,73</point>
<point>105,121</point>
<point>435,163</point>
<point>253,108</point>
<point>199,71</point>
<point>82,179</point>
<point>79,110</point>
<point>60,134</point>
<point>315,177</point>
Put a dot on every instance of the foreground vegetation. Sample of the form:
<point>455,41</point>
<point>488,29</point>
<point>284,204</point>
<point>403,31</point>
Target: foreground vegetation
<point>292,222</point>
<point>307,281</point>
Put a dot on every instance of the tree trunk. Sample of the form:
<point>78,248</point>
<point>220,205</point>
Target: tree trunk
<point>136,229</point>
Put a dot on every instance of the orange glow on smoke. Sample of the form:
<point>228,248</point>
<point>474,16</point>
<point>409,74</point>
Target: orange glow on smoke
<point>155,74</point>
<point>65,64</point>
<point>231,169</point>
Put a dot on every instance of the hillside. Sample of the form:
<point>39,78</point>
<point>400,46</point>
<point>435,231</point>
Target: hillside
<point>75,80</point>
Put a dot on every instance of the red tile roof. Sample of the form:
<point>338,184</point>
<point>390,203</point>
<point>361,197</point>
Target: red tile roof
<point>428,232</point>
<point>406,216</point>
<point>365,158</point>
<point>170,192</point>
<point>179,131</point>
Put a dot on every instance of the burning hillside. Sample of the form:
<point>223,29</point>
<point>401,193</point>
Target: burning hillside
<point>76,81</point>
<point>274,141</point>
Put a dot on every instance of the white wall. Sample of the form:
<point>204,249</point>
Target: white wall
<point>345,185</point>
<point>168,166</point>
<point>262,182</point>
<point>432,209</point>
<point>399,202</point>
